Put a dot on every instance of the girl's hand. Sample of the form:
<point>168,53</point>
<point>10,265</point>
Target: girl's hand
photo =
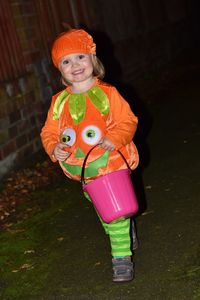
<point>60,152</point>
<point>107,144</point>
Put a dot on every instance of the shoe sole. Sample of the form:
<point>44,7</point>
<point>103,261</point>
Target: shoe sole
<point>122,279</point>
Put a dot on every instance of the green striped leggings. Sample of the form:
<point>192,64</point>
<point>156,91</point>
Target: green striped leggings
<point>119,233</point>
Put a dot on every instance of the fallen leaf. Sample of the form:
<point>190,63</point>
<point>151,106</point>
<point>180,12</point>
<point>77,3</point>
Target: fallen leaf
<point>24,191</point>
<point>15,230</point>
<point>147,212</point>
<point>29,251</point>
<point>26,266</point>
<point>148,187</point>
<point>20,183</point>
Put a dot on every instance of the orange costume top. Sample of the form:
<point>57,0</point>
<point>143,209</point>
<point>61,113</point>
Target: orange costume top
<point>81,121</point>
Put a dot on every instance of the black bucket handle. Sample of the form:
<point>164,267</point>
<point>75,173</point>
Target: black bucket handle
<point>85,160</point>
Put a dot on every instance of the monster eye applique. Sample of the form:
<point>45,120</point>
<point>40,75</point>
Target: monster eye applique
<point>91,135</point>
<point>68,137</point>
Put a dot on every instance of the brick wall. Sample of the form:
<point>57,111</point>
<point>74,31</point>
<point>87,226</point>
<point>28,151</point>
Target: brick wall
<point>21,111</point>
<point>24,98</point>
<point>28,29</point>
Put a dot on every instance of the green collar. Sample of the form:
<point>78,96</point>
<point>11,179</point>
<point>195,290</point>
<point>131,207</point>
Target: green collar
<point>77,103</point>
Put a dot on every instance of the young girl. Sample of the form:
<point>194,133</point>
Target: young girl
<point>86,113</point>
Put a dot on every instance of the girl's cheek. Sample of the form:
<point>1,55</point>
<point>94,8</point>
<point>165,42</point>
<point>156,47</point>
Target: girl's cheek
<point>62,67</point>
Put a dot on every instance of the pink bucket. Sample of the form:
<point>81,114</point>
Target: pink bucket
<point>113,194</point>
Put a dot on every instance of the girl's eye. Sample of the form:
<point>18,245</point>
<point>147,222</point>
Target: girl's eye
<point>91,135</point>
<point>65,62</point>
<point>81,56</point>
<point>68,137</point>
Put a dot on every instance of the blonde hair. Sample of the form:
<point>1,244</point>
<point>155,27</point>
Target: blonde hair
<point>98,69</point>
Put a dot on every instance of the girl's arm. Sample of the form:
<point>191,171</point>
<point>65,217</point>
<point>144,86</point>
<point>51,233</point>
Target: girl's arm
<point>50,133</point>
<point>122,123</point>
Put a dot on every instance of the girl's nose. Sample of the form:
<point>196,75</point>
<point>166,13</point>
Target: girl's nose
<point>75,62</point>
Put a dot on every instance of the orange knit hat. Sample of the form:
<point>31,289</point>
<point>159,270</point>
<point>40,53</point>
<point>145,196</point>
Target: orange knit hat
<point>72,41</point>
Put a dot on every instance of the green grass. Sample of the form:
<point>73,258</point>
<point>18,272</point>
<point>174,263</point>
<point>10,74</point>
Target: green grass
<point>190,271</point>
<point>32,248</point>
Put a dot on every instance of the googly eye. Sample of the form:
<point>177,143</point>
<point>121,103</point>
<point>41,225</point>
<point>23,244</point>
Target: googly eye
<point>91,135</point>
<point>68,137</point>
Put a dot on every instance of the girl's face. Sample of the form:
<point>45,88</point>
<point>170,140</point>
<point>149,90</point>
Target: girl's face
<point>76,68</point>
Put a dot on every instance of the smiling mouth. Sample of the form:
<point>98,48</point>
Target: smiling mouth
<point>78,72</point>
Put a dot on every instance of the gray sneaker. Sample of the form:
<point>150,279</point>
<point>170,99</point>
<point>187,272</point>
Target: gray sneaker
<point>123,269</point>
